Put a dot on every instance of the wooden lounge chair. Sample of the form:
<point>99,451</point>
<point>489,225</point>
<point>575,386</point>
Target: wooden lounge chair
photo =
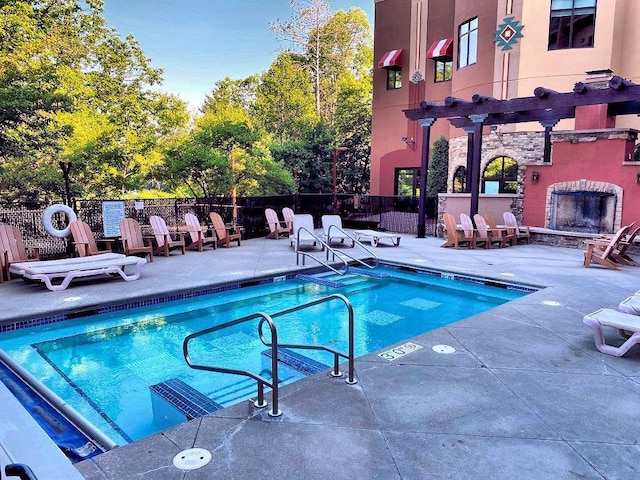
<point>624,322</point>
<point>164,240</point>
<point>604,252</point>
<point>487,235</point>
<point>198,234</point>
<point>58,274</point>
<point>620,253</point>
<point>277,228</point>
<point>469,229</point>
<point>288,215</point>
<point>519,230</point>
<point>455,236</point>
<point>132,239</point>
<point>332,230</point>
<point>225,234</point>
<point>508,234</point>
<point>84,240</point>
<point>12,249</point>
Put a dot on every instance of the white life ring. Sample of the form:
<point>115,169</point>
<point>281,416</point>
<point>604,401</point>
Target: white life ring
<point>48,215</point>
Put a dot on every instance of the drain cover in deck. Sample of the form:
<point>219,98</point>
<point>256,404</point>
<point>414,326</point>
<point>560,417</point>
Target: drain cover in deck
<point>443,349</point>
<point>192,458</point>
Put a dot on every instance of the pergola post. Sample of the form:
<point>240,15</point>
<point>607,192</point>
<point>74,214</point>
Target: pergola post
<point>548,125</point>
<point>424,165</point>
<point>469,172</point>
<point>478,123</point>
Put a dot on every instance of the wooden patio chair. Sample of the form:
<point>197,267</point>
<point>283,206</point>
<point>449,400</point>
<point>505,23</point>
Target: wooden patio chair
<point>225,234</point>
<point>198,234</point>
<point>602,252</point>
<point>469,229</point>
<point>85,241</point>
<point>164,239</point>
<point>288,214</point>
<point>277,228</point>
<point>486,234</point>
<point>132,239</point>
<point>519,230</point>
<point>508,234</point>
<point>620,252</point>
<point>455,236</point>
<point>12,250</point>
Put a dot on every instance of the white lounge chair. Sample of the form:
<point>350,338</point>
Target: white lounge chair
<point>303,231</point>
<point>606,317</point>
<point>68,269</point>
<point>374,237</point>
<point>332,230</point>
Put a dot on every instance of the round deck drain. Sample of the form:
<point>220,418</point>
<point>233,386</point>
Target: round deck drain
<point>192,458</point>
<point>551,303</point>
<point>443,349</point>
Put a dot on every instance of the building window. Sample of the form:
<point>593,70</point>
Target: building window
<point>443,70</point>
<point>500,176</point>
<point>407,182</point>
<point>468,43</point>
<point>572,24</point>
<point>460,180</point>
<point>394,78</point>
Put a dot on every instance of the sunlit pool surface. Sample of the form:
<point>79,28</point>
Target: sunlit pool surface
<point>104,365</point>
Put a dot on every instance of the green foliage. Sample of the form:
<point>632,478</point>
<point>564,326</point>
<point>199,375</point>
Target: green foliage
<point>438,167</point>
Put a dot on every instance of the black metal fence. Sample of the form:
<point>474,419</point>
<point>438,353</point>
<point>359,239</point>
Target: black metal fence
<point>396,214</point>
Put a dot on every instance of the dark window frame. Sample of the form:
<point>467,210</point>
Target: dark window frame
<point>441,66</point>
<point>566,24</point>
<point>415,180</point>
<point>468,43</point>
<point>506,183</point>
<point>394,78</point>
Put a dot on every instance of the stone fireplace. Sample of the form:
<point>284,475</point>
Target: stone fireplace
<point>584,206</point>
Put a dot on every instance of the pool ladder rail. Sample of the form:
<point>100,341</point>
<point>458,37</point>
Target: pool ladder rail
<point>260,402</point>
<point>332,251</point>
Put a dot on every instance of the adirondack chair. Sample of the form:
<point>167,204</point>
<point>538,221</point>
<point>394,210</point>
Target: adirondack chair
<point>288,215</point>
<point>508,234</point>
<point>455,236</point>
<point>223,233</point>
<point>164,239</point>
<point>469,229</point>
<point>12,249</point>
<point>277,228</point>
<point>604,252</point>
<point>198,234</point>
<point>85,241</point>
<point>132,239</point>
<point>520,231</point>
<point>485,234</point>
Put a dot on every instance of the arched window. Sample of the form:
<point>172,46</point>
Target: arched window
<point>460,180</point>
<point>500,176</point>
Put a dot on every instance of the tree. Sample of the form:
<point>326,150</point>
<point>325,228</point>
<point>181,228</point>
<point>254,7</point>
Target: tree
<point>438,167</point>
<point>283,107</point>
<point>228,92</point>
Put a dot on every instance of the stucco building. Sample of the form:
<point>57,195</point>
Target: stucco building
<point>432,50</point>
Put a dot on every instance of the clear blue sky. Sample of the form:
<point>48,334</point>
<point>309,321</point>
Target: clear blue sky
<point>198,42</point>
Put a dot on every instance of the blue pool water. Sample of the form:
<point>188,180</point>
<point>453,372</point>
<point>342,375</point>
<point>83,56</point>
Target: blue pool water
<point>104,365</point>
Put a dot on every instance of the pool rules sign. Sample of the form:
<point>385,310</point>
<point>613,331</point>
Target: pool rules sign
<point>112,213</point>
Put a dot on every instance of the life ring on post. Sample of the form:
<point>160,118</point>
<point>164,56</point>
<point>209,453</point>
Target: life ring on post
<point>48,216</point>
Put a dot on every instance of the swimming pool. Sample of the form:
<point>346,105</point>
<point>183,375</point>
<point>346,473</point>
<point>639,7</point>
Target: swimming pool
<point>104,365</point>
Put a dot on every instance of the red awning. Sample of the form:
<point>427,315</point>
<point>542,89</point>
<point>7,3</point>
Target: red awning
<point>441,49</point>
<point>391,59</point>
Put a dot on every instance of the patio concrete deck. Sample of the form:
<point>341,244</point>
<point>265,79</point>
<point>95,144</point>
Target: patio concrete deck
<point>526,395</point>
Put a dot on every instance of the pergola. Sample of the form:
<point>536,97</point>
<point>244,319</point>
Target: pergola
<point>546,107</point>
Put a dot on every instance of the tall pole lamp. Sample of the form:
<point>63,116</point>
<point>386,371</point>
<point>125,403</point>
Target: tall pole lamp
<point>334,160</point>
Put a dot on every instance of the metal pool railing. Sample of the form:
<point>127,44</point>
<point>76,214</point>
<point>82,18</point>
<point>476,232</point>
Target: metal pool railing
<point>274,345</point>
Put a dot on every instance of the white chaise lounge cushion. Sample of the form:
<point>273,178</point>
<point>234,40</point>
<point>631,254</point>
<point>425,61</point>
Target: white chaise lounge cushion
<point>71,268</point>
<point>607,317</point>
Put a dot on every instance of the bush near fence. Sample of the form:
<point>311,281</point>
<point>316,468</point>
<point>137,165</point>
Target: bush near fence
<point>396,214</point>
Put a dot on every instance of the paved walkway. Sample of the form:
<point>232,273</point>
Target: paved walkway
<point>526,395</point>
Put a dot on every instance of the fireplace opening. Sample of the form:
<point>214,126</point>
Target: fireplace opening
<point>583,211</point>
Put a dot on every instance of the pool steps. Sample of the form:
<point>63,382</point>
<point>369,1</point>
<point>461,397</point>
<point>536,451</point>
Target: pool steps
<point>300,363</point>
<point>188,400</point>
